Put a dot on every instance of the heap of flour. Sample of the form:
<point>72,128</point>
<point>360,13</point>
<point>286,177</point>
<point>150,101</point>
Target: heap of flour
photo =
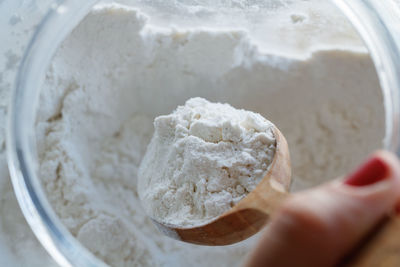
<point>203,159</point>
<point>117,71</point>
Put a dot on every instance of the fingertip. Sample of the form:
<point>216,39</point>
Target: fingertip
<point>377,179</point>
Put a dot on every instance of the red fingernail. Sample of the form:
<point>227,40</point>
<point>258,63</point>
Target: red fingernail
<point>372,171</point>
<point>397,209</point>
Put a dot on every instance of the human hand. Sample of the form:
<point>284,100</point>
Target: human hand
<point>321,226</point>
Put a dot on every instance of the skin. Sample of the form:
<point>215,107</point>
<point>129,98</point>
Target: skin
<point>319,227</point>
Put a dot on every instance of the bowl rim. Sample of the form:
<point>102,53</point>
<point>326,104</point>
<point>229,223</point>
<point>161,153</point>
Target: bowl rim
<point>56,25</point>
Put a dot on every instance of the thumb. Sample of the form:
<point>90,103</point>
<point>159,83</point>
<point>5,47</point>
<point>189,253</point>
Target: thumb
<point>320,226</point>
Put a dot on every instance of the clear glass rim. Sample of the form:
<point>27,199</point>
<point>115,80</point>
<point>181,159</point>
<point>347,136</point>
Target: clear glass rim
<point>47,227</point>
<point>55,26</point>
<point>371,19</point>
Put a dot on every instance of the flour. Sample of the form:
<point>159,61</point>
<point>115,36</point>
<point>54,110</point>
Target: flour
<point>208,156</point>
<point>119,69</point>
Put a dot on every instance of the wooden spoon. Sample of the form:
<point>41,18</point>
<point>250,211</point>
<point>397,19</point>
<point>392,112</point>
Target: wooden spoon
<point>248,216</point>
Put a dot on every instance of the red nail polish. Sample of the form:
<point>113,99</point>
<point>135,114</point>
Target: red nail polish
<point>397,209</point>
<point>372,171</point>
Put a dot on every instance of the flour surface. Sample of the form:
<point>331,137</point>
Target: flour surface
<point>117,71</point>
<point>203,159</point>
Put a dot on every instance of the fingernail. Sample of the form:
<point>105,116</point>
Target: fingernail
<point>397,209</point>
<point>372,171</point>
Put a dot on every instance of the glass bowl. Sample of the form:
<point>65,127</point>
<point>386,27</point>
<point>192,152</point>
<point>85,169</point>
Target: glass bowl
<point>373,19</point>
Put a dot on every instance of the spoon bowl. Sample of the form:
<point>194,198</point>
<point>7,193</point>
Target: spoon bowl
<point>250,214</point>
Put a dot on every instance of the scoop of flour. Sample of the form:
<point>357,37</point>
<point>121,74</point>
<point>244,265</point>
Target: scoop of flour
<point>203,159</point>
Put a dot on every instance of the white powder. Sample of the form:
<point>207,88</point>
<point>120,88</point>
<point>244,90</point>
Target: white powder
<point>116,72</point>
<point>202,160</point>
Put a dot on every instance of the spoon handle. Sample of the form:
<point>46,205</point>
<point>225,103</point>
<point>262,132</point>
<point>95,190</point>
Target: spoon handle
<point>381,248</point>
